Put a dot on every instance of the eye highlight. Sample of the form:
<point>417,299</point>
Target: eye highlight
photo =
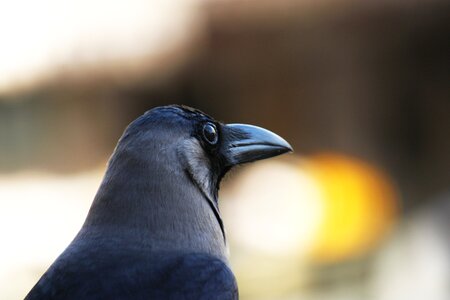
<point>210,134</point>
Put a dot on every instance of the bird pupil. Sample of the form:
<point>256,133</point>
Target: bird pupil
<point>210,133</point>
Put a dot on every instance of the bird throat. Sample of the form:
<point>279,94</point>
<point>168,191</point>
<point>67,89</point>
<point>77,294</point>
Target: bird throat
<point>199,170</point>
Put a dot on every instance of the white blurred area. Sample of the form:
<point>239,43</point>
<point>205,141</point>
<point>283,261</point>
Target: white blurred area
<point>285,197</point>
<point>44,39</point>
<point>39,215</point>
<point>415,264</point>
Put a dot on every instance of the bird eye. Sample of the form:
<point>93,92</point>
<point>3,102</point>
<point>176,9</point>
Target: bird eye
<point>210,133</point>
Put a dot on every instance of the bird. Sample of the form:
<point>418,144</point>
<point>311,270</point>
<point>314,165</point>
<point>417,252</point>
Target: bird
<point>154,229</point>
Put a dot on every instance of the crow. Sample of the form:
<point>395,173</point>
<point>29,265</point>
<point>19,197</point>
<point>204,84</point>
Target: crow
<point>154,230</point>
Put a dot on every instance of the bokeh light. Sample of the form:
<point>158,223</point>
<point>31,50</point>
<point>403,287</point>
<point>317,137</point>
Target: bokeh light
<point>360,205</point>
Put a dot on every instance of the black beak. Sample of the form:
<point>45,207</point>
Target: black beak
<point>246,143</point>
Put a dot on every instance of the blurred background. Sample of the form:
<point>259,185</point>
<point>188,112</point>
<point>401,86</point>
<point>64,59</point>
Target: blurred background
<point>361,89</point>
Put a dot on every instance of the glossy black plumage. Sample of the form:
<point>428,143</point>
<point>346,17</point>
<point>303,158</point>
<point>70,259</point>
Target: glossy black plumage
<point>154,230</point>
<point>112,274</point>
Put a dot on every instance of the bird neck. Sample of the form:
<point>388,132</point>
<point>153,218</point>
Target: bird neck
<point>155,205</point>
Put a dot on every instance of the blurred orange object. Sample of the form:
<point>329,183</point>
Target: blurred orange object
<point>360,205</point>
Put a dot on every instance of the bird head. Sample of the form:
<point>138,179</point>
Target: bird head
<point>202,147</point>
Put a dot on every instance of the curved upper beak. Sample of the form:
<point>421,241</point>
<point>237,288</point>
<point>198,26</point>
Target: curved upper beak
<point>246,143</point>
